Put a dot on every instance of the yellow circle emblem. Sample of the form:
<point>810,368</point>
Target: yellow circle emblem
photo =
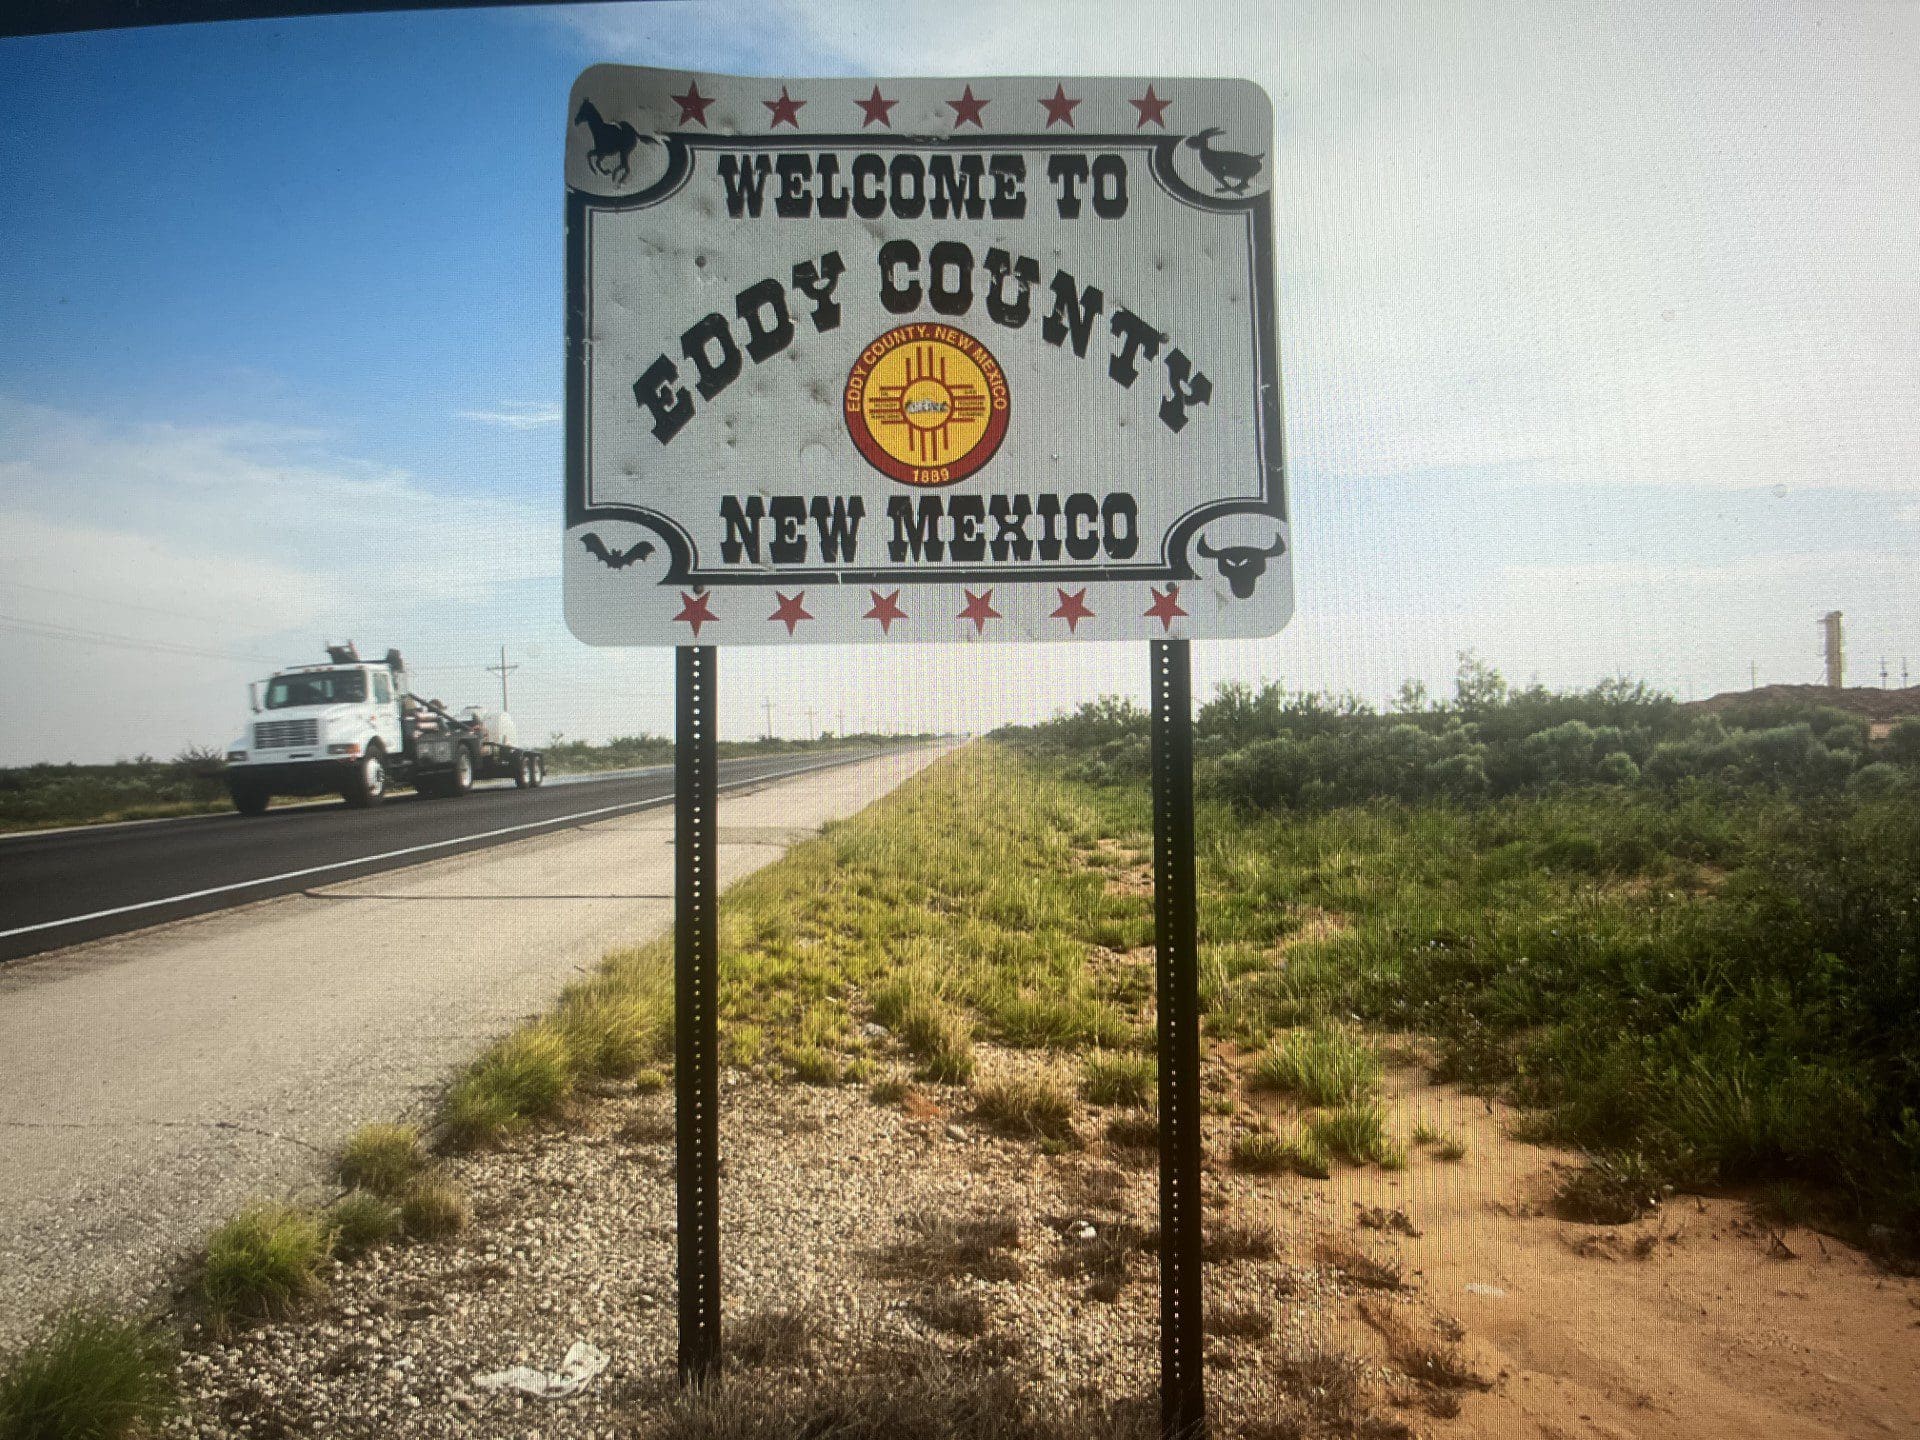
<point>927,404</point>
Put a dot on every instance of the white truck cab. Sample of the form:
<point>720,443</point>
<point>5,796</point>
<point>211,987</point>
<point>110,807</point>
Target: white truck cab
<point>354,728</point>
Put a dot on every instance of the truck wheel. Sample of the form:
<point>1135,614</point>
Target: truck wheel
<point>459,780</point>
<point>249,799</point>
<point>539,771</point>
<point>523,773</point>
<point>368,785</point>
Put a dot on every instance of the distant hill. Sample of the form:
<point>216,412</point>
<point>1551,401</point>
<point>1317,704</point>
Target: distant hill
<point>1880,708</point>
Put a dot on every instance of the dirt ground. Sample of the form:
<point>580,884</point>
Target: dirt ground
<point>1689,1323</point>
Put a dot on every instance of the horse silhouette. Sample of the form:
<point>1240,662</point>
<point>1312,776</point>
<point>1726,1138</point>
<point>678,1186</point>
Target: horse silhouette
<point>1230,169</point>
<point>612,143</point>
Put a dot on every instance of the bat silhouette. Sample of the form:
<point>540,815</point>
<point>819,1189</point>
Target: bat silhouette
<point>615,559</point>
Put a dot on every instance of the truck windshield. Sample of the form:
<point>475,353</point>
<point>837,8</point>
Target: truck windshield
<point>321,687</point>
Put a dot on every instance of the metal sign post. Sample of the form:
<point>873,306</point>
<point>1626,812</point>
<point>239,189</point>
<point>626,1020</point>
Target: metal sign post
<point>884,361</point>
<point>1175,934</point>
<point>696,1008</point>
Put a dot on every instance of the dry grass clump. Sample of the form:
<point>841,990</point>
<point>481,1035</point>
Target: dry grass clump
<point>1231,1240</point>
<point>938,1034</point>
<point>897,1393</point>
<point>953,1245</point>
<point>1027,1105</point>
<point>1429,1359</point>
<point>775,1339</point>
<point>1356,1267</point>
<point>1136,1134</point>
<point>953,1312</point>
<point>433,1209</point>
<point>1326,1399</point>
<point>382,1159</point>
<point>1238,1322</point>
<point>1357,1133</point>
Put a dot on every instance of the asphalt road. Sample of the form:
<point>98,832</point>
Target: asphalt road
<point>70,886</point>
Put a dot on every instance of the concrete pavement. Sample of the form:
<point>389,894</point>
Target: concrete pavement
<point>151,1083</point>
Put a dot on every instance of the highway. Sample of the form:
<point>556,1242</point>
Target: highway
<point>64,887</point>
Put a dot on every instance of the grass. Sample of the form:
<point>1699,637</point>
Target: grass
<point>360,1220</point>
<point>1136,1133</point>
<point>1231,1240</point>
<point>949,1246</point>
<point>86,1375</point>
<point>1319,1066</point>
<point>1238,1322</point>
<point>1424,1357</point>
<point>953,1312</point>
<point>1610,1190</point>
<point>1105,1259</point>
<point>528,1076</point>
<point>1029,1105</point>
<point>1323,1395</point>
<point>772,1339</point>
<point>896,1392</point>
<point>382,1159</point>
<point>1118,1078</point>
<point>433,1209</point>
<point>1260,1152</point>
<point>1356,1266</point>
<point>890,1090</point>
<point>1357,1133</point>
<point>264,1264</point>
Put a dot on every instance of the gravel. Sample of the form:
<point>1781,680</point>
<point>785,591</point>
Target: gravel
<point>573,1239</point>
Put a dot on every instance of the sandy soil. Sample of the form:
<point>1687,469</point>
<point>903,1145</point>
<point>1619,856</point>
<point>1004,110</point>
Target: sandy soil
<point>1689,1323</point>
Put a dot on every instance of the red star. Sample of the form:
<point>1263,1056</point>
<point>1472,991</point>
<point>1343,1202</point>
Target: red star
<point>1059,107</point>
<point>886,609</point>
<point>693,105</point>
<point>979,607</point>
<point>785,108</point>
<point>791,612</point>
<point>967,108</point>
<point>695,612</point>
<point>1151,108</point>
<point>876,109</point>
<point>1165,607</point>
<point>1073,609</point>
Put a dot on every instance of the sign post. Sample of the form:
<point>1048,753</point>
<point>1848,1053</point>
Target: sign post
<point>902,360</point>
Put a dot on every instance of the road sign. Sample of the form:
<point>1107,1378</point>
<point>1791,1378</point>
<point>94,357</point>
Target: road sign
<point>892,361</point>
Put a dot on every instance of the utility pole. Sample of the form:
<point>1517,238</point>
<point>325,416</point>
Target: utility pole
<point>1883,672</point>
<point>841,733</point>
<point>1836,650</point>
<point>1903,672</point>
<point>767,705</point>
<point>809,723</point>
<point>503,668</point>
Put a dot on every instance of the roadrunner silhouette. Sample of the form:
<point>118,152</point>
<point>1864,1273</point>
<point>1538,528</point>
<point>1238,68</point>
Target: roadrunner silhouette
<point>1230,169</point>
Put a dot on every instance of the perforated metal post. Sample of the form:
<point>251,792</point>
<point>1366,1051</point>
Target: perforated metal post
<point>696,1076</point>
<point>1183,1402</point>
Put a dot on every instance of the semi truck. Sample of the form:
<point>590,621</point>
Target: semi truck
<point>356,727</point>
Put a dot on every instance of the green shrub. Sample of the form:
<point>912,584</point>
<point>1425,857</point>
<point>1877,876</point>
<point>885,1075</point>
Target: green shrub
<point>85,1375</point>
<point>264,1264</point>
<point>812,1065</point>
<point>1262,1153</point>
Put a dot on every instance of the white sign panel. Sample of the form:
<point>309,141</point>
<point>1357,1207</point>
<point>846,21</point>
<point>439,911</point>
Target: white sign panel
<point>891,361</point>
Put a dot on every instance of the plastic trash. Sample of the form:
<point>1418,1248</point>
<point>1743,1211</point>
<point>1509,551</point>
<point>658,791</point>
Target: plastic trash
<point>583,1361</point>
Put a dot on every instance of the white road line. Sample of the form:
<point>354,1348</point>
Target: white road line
<point>397,854</point>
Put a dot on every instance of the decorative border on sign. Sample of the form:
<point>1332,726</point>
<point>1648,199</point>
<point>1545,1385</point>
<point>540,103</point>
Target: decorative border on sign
<point>683,566</point>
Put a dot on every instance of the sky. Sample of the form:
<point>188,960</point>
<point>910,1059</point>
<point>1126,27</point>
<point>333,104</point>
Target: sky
<point>1600,342</point>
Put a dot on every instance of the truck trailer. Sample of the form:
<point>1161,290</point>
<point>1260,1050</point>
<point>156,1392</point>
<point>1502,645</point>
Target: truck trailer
<point>355,728</point>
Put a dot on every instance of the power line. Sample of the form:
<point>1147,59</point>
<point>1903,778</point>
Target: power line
<point>50,630</point>
<point>503,667</point>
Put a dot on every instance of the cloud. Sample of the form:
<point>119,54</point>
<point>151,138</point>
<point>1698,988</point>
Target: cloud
<point>517,417</point>
<point>169,562</point>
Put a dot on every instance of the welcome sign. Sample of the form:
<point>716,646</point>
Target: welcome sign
<point>909,360</point>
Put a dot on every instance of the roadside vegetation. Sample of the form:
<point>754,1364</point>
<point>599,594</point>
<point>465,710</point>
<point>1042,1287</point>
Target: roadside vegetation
<point>38,797</point>
<point>631,752</point>
<point>88,1376</point>
<point>1687,943</point>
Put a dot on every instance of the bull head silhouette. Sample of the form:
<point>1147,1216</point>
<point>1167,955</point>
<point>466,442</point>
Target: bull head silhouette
<point>1243,565</point>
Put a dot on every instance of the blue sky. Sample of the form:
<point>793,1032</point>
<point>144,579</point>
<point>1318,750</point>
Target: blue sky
<point>1600,332</point>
